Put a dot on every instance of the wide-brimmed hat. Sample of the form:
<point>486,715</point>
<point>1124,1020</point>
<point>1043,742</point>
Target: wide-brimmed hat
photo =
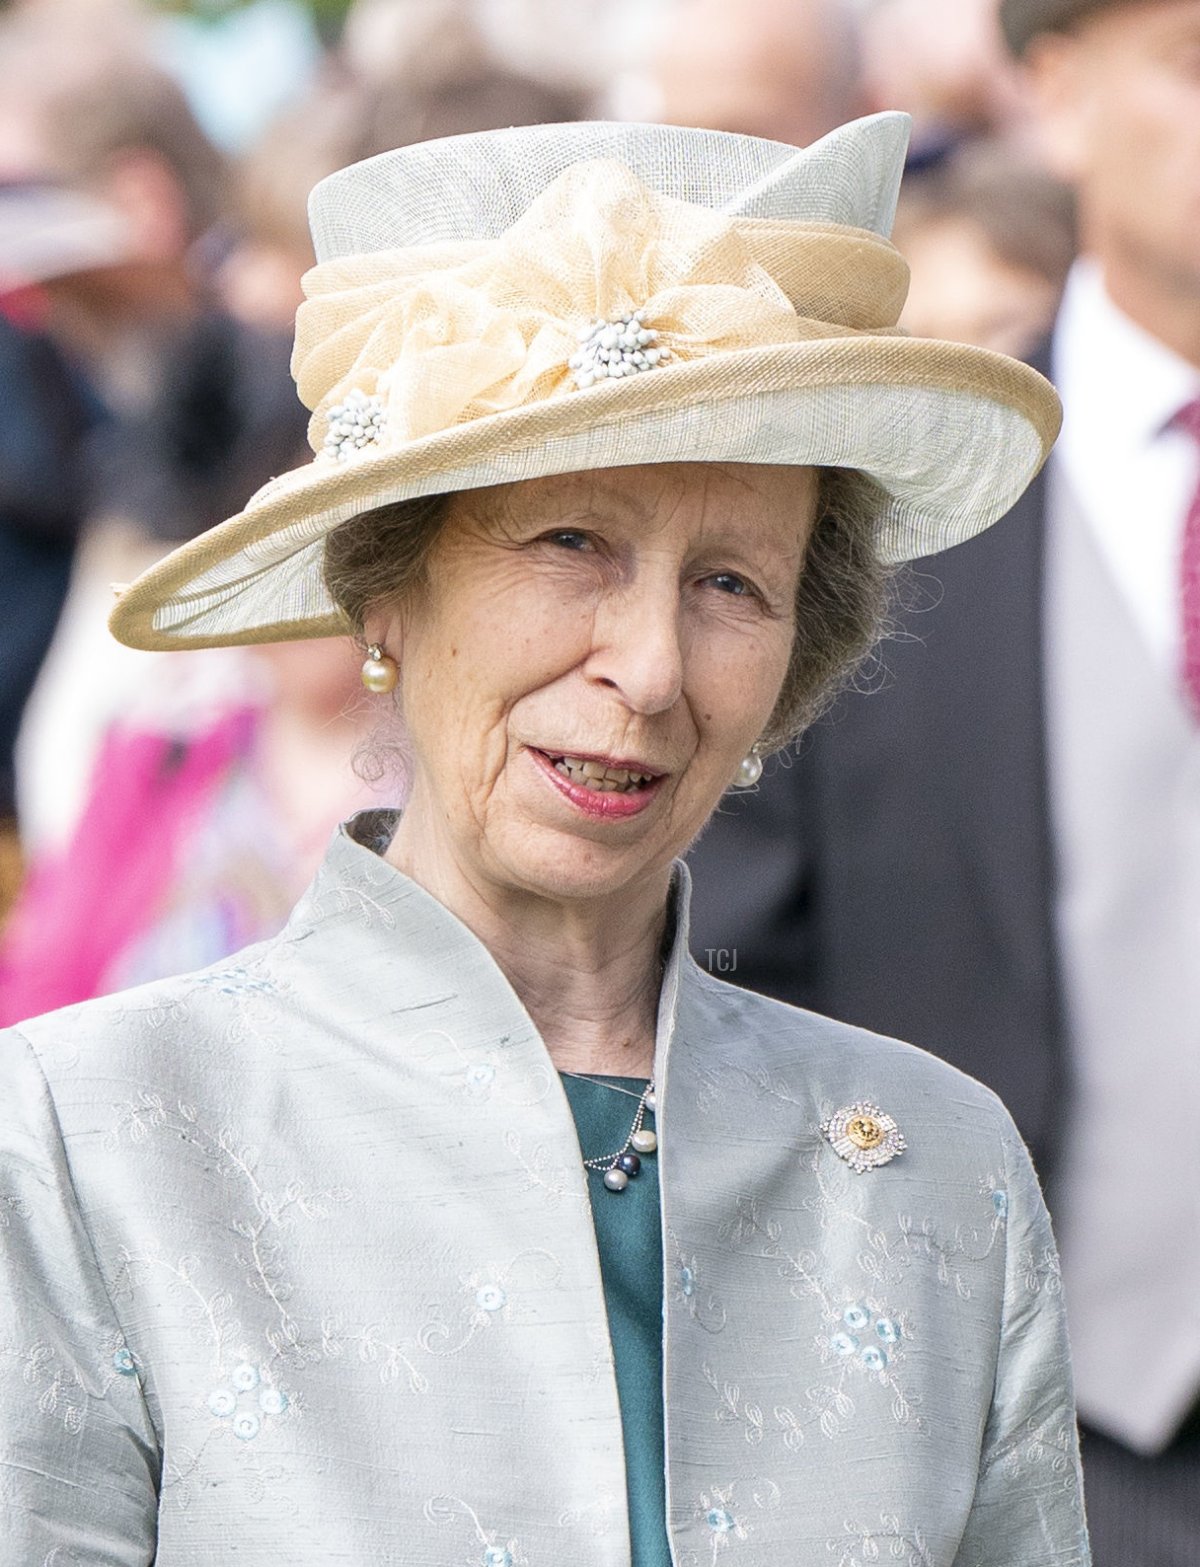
<point>551,299</point>
<point>1022,20</point>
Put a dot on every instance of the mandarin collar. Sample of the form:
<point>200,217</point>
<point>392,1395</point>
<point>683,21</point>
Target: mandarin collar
<point>422,953</point>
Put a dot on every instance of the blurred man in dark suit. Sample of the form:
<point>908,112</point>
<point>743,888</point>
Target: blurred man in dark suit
<point>997,854</point>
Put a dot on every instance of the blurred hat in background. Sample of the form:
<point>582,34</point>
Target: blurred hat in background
<point>1022,20</point>
<point>50,231</point>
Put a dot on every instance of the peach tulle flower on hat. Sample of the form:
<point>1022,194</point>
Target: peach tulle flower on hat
<point>456,332</point>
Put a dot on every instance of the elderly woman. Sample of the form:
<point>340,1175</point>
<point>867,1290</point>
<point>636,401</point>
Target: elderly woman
<point>468,1221</point>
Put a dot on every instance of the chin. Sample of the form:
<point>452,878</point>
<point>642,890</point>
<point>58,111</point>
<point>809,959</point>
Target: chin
<point>570,868</point>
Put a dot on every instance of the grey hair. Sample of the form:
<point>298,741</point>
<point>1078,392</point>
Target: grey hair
<point>841,607</point>
<point>381,556</point>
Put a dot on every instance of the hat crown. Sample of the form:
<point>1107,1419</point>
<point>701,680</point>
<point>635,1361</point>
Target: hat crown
<point>477,186</point>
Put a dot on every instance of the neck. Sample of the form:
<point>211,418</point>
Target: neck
<point>587,970</point>
<point>1166,307</point>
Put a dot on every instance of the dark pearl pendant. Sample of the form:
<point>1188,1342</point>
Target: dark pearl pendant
<point>630,1163</point>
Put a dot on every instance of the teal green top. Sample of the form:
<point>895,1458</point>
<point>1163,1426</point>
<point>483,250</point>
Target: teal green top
<point>629,1237</point>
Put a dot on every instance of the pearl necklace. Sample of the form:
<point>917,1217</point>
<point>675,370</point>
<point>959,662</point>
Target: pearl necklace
<point>621,1167</point>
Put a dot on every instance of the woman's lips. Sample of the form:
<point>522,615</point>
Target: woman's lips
<point>606,803</point>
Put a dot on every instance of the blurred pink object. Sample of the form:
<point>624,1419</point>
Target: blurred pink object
<point>83,908</point>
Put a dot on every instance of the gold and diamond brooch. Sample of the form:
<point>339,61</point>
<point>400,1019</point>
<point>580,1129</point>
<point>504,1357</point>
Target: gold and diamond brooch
<point>863,1135</point>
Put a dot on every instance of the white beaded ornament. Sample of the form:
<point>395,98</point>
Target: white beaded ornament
<point>622,346</point>
<point>353,424</point>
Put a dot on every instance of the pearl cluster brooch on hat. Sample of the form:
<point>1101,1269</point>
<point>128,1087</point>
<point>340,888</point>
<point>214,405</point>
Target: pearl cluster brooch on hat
<point>863,1135</point>
<point>622,346</point>
<point>353,424</point>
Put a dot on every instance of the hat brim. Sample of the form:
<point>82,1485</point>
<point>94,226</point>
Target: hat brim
<point>950,434</point>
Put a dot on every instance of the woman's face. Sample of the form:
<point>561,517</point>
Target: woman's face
<point>591,658</point>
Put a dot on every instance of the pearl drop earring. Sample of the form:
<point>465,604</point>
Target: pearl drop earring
<point>749,769</point>
<point>379,672</point>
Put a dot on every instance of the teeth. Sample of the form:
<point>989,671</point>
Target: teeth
<point>594,775</point>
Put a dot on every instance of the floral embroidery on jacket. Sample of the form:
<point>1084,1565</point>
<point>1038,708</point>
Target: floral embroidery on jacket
<point>270,1213</point>
<point>60,1390</point>
<point>490,1295</point>
<point>489,1549</point>
<point>687,1289</point>
<point>236,981</point>
<point>864,1547</point>
<point>245,1400</point>
<point>724,1516</point>
<point>545,1172</point>
<point>733,1408</point>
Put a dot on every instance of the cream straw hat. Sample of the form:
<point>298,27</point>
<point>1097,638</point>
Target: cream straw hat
<point>558,298</point>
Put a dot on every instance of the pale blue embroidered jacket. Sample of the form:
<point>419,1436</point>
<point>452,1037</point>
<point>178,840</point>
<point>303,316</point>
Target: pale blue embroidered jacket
<point>298,1269</point>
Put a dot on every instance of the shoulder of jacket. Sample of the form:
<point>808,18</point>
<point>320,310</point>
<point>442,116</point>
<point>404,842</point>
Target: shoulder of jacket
<point>841,1052</point>
<point>126,1019</point>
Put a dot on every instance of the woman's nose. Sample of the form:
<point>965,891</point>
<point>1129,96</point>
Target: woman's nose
<point>638,646</point>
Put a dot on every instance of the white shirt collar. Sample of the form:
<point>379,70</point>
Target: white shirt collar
<point>1131,474</point>
<point>1098,350</point>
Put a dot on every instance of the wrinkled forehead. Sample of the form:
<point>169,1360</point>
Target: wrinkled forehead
<point>749,499</point>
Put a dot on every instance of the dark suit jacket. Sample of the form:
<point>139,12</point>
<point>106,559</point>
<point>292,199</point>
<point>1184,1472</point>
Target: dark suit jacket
<point>898,874</point>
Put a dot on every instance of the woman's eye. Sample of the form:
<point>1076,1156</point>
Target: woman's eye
<point>730,582</point>
<point>568,539</point>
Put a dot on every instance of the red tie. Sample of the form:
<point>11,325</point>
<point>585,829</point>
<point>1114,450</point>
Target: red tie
<point>1188,418</point>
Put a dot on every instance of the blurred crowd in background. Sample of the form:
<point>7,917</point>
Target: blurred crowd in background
<point>154,169</point>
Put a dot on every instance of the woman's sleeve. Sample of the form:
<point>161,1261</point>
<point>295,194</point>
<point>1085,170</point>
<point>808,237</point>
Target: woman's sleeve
<point>1028,1507</point>
<point>79,1460</point>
